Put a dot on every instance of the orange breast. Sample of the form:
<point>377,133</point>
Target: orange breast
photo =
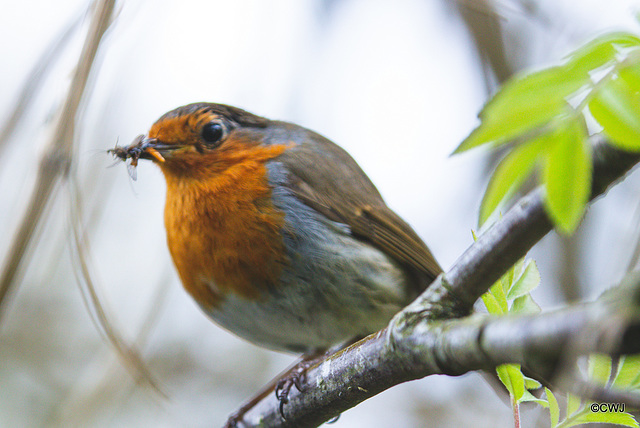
<point>223,232</point>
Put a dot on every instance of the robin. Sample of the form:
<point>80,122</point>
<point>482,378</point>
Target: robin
<point>277,233</point>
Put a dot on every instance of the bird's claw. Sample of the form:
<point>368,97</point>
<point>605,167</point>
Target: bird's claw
<point>296,377</point>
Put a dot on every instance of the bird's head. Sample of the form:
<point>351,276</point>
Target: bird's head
<point>198,139</point>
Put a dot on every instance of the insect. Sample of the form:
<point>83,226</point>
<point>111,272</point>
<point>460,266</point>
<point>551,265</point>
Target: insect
<point>133,151</point>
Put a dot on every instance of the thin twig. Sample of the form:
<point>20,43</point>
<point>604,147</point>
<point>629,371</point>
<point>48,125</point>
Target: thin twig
<point>129,355</point>
<point>58,153</point>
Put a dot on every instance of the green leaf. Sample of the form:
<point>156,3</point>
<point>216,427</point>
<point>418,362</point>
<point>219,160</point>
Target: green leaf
<point>554,409</point>
<point>530,383</point>
<point>506,280</point>
<point>629,372</point>
<point>509,175</point>
<point>525,305</point>
<point>518,268</point>
<point>513,379</point>
<point>550,87</point>
<point>599,368</point>
<point>600,51</point>
<point>529,397</point>
<point>624,419</point>
<point>492,305</point>
<point>523,104</point>
<point>567,175</point>
<point>510,276</point>
<point>498,292</point>
<point>529,280</point>
<point>631,76</point>
<point>573,404</point>
<point>616,107</point>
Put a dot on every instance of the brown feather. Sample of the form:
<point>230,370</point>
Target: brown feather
<point>326,178</point>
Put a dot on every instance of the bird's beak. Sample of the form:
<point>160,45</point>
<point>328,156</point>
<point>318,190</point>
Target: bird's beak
<point>153,148</point>
<point>145,148</point>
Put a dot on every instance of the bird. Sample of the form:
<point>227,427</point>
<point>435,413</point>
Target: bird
<point>277,233</point>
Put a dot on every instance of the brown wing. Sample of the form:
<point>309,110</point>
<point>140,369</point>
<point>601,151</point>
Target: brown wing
<point>326,178</point>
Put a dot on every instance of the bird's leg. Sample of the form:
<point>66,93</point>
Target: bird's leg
<point>296,376</point>
<point>282,384</point>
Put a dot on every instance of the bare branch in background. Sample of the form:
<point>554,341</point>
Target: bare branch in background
<point>55,165</point>
<point>78,409</point>
<point>635,256</point>
<point>569,260</point>
<point>130,357</point>
<point>57,156</point>
<point>483,21</point>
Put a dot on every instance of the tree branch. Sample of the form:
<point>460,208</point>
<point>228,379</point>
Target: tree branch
<point>430,336</point>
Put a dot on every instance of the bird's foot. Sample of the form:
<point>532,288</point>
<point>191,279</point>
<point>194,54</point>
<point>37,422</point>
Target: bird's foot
<point>297,377</point>
<point>294,376</point>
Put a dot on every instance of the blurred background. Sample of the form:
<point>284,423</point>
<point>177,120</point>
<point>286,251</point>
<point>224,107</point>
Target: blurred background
<point>398,84</point>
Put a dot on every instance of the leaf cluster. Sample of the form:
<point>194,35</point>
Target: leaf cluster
<point>511,295</point>
<point>544,117</point>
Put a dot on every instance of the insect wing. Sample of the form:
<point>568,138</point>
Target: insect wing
<point>132,170</point>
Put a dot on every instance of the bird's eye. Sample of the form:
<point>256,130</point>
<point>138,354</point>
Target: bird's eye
<point>212,133</point>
